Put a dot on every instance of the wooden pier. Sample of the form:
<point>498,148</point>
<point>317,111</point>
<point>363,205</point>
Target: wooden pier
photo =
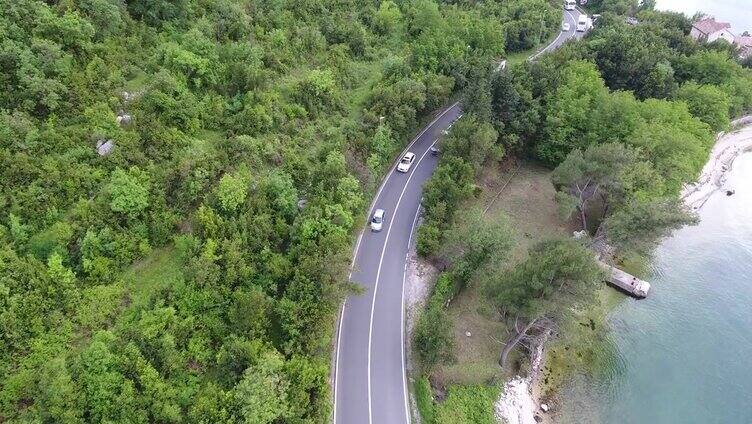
<point>626,282</point>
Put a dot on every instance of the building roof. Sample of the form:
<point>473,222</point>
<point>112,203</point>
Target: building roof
<point>708,26</point>
<point>744,41</point>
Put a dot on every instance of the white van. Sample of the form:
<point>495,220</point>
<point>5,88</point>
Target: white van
<point>583,23</point>
<point>570,4</point>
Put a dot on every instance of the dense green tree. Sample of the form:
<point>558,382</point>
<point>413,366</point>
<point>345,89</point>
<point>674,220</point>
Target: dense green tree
<point>105,15</point>
<point>633,58</point>
<point>129,191</point>
<point>317,90</point>
<point>477,96</point>
<point>594,180</point>
<point>388,17</point>
<point>708,67</point>
<point>156,12</point>
<point>232,191</point>
<point>382,146</point>
<point>60,398</point>
<point>262,393</point>
<point>676,143</point>
<point>476,244</point>
<point>250,312</point>
<point>528,22</point>
<point>157,283</point>
<point>708,103</point>
<point>433,337</point>
<point>471,140</point>
<point>642,223</point>
<point>53,240</point>
<point>557,278</point>
<point>571,121</point>
<point>399,102</point>
<point>450,184</point>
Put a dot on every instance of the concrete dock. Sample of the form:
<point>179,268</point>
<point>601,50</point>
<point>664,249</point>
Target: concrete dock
<point>626,282</point>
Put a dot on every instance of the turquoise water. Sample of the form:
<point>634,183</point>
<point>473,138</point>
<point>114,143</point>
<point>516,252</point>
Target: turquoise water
<point>684,355</point>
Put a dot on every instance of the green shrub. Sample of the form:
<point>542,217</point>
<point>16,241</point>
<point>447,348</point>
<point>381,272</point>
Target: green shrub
<point>424,400</point>
<point>429,239</point>
<point>433,337</point>
<point>468,404</point>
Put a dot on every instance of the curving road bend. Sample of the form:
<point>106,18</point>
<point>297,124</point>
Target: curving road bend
<point>370,382</point>
<point>570,17</point>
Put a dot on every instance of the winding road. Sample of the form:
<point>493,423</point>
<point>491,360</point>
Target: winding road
<point>370,382</point>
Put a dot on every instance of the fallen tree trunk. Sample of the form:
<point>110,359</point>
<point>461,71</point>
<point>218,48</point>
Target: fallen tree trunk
<point>514,341</point>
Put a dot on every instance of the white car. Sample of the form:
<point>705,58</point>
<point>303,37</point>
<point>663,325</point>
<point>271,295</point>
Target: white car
<point>565,26</point>
<point>406,161</point>
<point>377,221</point>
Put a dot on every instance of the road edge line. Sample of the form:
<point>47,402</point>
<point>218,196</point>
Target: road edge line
<point>336,359</point>
<point>404,275</point>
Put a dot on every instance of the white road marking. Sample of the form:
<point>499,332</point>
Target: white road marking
<point>402,334</point>
<point>545,49</point>
<point>376,286</point>
<point>336,360</point>
<point>357,248</point>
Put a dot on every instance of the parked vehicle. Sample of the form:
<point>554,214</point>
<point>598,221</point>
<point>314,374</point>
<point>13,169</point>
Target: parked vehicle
<point>377,221</point>
<point>406,161</point>
<point>570,4</point>
<point>584,23</point>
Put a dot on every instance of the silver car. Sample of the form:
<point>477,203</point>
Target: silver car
<point>377,221</point>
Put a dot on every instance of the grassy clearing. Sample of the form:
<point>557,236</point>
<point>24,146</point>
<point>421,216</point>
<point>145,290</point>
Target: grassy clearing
<point>528,202</point>
<point>160,269</point>
<point>467,405</point>
<point>582,345</point>
<point>519,57</point>
<point>137,82</point>
<point>103,305</point>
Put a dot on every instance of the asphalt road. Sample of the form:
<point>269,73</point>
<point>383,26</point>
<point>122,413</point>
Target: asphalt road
<point>571,17</point>
<point>370,383</point>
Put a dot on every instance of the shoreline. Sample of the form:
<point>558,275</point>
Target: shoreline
<point>521,398</point>
<point>727,148</point>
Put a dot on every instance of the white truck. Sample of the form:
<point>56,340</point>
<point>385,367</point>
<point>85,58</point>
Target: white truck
<point>584,23</point>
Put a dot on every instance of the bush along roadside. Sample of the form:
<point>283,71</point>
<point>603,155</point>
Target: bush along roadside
<point>433,332</point>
